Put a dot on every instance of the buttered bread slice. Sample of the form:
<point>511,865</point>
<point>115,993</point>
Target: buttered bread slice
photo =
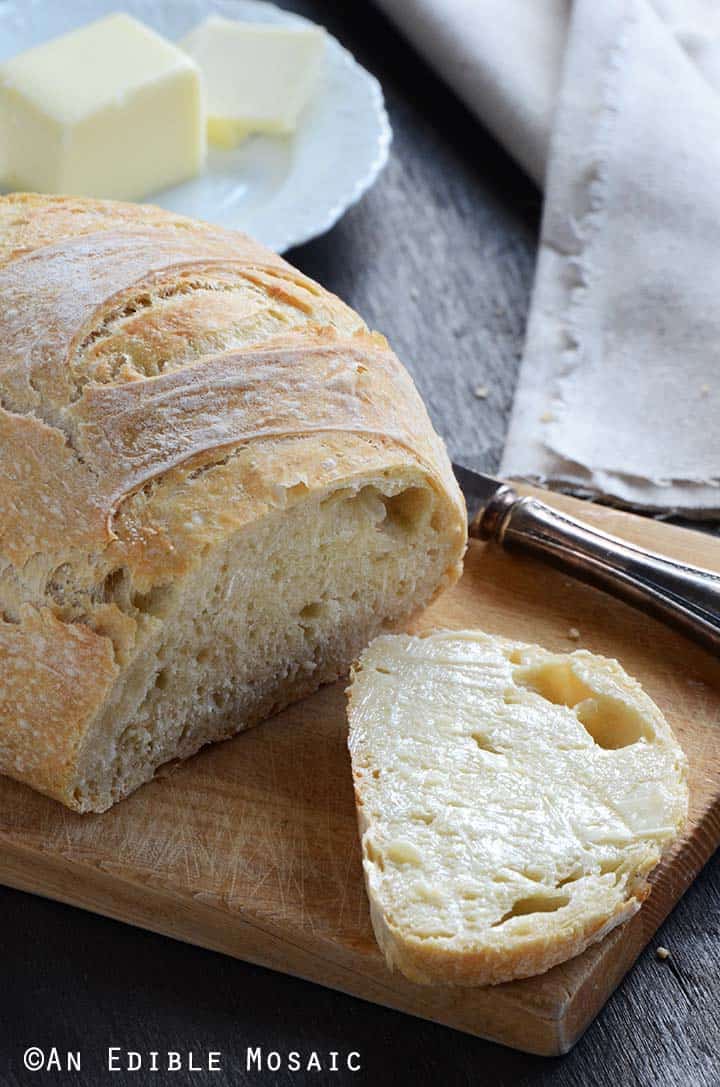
<point>511,801</point>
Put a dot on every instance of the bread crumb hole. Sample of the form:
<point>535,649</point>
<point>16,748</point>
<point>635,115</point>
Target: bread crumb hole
<point>374,856</point>
<point>403,853</point>
<point>611,723</point>
<point>162,679</point>
<point>484,744</point>
<point>555,681</point>
<point>535,875</point>
<point>116,587</point>
<point>312,611</point>
<point>572,878</point>
<point>534,904</point>
<point>152,602</point>
<point>409,509</point>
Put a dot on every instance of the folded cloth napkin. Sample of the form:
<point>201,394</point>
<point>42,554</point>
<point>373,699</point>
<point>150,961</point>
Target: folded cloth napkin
<point>614,107</point>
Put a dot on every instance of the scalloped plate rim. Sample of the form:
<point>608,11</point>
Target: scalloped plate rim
<point>327,194</point>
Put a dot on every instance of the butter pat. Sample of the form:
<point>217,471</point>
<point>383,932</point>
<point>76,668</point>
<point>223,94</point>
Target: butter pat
<point>259,76</point>
<point>110,110</point>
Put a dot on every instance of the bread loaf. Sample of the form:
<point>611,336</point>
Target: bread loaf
<point>511,802</point>
<point>215,487</point>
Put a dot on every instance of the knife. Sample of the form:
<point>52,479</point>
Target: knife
<point>683,596</point>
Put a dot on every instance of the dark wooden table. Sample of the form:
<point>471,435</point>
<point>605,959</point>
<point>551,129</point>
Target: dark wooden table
<point>440,257</point>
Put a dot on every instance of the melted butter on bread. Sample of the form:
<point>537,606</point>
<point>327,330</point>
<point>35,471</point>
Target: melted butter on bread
<point>511,801</point>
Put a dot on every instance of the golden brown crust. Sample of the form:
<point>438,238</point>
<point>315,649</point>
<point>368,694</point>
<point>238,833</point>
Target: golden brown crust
<point>29,221</point>
<point>431,964</point>
<point>151,365</point>
<point>55,677</point>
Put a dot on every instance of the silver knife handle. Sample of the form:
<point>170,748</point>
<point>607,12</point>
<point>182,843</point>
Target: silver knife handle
<point>683,596</point>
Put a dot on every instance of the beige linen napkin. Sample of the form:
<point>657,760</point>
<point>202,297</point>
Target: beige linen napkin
<point>615,107</point>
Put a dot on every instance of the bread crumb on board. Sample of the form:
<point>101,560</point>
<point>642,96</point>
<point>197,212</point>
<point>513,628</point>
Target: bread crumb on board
<point>662,953</point>
<point>573,634</point>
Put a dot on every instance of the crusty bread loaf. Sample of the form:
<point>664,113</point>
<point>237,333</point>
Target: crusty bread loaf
<point>510,801</point>
<point>215,487</point>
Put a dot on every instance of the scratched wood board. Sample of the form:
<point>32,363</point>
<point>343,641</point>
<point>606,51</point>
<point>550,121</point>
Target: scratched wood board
<point>251,847</point>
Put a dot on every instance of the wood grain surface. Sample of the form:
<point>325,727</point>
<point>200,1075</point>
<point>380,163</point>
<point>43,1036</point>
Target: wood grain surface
<point>251,847</point>
<point>440,256</point>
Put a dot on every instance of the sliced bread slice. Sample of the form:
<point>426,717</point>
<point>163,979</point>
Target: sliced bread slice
<point>511,802</point>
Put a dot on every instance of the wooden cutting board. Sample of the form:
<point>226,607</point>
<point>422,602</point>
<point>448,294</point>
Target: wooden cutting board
<point>251,848</point>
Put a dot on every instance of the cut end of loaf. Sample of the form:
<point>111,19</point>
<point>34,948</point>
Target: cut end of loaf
<point>216,485</point>
<point>511,802</point>
<point>266,617</point>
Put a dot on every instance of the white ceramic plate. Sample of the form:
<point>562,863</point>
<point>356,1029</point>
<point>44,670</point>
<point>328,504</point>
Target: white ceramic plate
<point>281,191</point>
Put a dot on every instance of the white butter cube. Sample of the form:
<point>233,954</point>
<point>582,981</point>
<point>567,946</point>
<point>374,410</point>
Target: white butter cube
<point>259,76</point>
<point>110,110</point>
